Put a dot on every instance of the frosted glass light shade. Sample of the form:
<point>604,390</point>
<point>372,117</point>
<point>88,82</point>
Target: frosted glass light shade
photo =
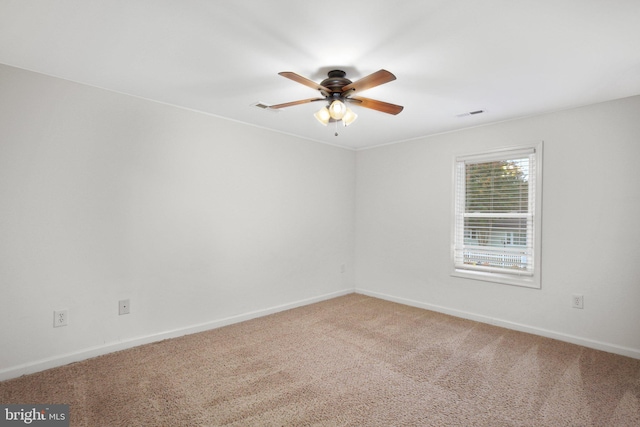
<point>337,109</point>
<point>323,116</point>
<point>349,117</point>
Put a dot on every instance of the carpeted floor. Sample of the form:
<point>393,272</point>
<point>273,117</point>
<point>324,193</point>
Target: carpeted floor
<point>349,361</point>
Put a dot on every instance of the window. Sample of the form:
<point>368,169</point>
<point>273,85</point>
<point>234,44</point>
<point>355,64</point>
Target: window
<point>497,216</point>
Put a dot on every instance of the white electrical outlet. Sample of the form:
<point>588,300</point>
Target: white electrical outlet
<point>60,318</point>
<point>577,301</point>
<point>124,307</point>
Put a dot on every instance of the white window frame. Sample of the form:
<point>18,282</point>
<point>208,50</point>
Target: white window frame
<point>531,278</point>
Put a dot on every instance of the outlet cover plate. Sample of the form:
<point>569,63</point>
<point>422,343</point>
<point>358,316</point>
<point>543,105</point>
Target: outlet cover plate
<point>60,318</point>
<point>577,301</point>
<point>124,307</point>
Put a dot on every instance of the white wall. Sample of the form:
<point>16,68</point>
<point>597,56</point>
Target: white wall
<point>199,221</point>
<point>591,237</point>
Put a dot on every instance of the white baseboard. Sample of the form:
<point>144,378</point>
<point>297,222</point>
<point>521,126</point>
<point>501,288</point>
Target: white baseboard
<point>54,362</point>
<point>585,342</point>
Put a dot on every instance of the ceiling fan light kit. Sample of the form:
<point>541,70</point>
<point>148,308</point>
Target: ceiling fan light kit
<point>337,91</point>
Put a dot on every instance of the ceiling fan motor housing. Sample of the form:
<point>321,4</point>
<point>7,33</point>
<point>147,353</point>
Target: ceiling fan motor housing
<point>335,82</point>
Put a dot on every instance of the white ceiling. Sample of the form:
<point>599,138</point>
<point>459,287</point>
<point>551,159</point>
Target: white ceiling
<point>511,58</point>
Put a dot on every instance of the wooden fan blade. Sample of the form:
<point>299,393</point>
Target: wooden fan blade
<point>291,104</point>
<point>372,80</point>
<point>303,80</point>
<point>385,107</point>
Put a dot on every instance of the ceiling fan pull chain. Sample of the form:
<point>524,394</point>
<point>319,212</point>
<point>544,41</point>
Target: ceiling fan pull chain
<point>336,127</point>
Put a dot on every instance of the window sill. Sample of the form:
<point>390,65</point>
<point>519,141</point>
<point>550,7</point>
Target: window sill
<point>505,279</point>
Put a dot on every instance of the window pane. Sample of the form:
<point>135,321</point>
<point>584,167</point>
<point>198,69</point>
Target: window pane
<point>496,232</point>
<point>500,260</point>
<point>501,186</point>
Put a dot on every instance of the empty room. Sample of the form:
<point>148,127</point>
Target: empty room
<point>364,213</point>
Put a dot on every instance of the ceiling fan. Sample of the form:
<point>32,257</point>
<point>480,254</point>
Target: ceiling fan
<point>337,91</point>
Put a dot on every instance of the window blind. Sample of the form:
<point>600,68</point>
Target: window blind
<point>494,212</point>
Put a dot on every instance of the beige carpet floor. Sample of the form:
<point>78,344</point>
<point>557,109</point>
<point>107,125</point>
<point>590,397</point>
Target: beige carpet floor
<point>349,361</point>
